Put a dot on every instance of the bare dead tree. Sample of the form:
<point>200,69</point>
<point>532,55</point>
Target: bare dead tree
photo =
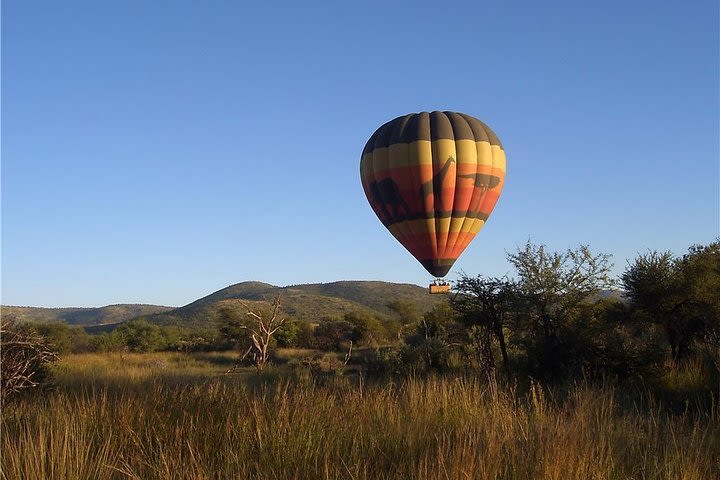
<point>261,325</point>
<point>348,355</point>
<point>23,356</point>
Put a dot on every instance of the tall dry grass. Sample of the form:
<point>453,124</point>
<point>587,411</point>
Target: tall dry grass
<point>146,417</point>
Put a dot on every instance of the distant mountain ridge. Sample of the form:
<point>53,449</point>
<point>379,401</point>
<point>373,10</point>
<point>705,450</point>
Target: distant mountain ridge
<point>308,302</point>
<point>82,315</point>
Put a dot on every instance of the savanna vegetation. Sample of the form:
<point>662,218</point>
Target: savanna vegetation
<point>559,371</point>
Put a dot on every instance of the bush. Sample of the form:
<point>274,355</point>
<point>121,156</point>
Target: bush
<point>367,329</point>
<point>287,335</point>
<point>66,339</point>
<point>140,336</point>
<point>682,295</point>
<point>333,334</point>
<point>108,342</point>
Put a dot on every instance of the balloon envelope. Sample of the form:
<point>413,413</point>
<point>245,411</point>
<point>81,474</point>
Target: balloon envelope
<point>433,179</point>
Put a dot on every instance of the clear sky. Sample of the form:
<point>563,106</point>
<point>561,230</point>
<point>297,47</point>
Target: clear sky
<point>153,152</point>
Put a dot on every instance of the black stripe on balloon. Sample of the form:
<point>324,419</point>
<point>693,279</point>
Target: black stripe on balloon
<point>437,214</point>
<point>438,267</point>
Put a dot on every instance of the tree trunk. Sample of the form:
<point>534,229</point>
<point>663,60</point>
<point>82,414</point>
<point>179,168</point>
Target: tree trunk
<point>503,348</point>
<point>672,340</point>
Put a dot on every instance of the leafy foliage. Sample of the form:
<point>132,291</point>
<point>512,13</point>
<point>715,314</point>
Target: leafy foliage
<point>140,336</point>
<point>64,338</point>
<point>682,295</point>
<point>553,288</point>
<point>367,328</point>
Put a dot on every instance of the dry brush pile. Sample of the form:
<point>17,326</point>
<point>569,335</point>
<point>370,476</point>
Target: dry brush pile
<point>24,357</point>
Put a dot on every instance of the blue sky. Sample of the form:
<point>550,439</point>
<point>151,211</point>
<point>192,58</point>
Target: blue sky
<point>153,152</point>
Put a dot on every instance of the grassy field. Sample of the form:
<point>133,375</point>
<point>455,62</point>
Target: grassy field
<point>176,416</point>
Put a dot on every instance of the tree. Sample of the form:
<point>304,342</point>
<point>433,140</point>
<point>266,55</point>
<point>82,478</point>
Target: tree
<point>553,286</point>
<point>406,315</point>
<point>64,338</point>
<point>333,334</point>
<point>434,339</point>
<point>287,335</point>
<point>485,304</point>
<point>140,336</point>
<point>434,323</point>
<point>367,328</point>
<point>258,325</point>
<point>700,273</point>
<point>406,311</point>
<point>108,342</point>
<point>305,337</point>
<point>651,284</point>
<point>681,295</point>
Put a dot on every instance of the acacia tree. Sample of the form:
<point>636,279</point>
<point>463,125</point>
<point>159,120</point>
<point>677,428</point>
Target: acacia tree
<point>652,286</point>
<point>682,295</point>
<point>700,273</point>
<point>258,325</point>
<point>486,304</point>
<point>553,287</point>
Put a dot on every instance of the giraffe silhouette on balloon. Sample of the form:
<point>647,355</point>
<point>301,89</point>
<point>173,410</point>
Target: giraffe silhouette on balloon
<point>434,185</point>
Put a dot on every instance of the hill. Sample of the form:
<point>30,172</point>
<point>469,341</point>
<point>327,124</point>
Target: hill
<point>308,302</point>
<point>82,315</point>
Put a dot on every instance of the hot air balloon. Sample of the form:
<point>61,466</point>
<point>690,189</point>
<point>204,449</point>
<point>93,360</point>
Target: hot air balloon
<point>433,179</point>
